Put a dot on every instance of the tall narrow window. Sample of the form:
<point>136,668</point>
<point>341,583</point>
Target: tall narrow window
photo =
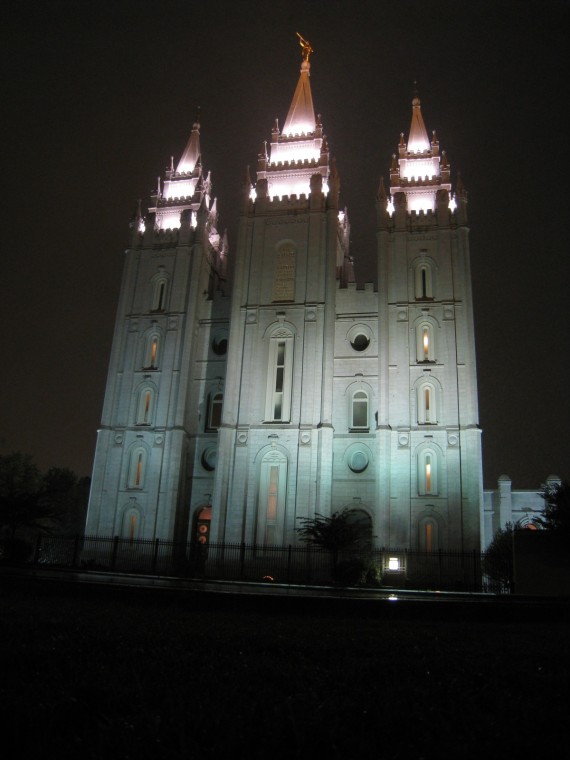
<point>151,351</point>
<point>271,499</point>
<point>423,282</point>
<point>215,411</point>
<point>131,527</point>
<point>427,413</point>
<point>425,348</point>
<point>428,535</point>
<point>425,343</point>
<point>279,379</point>
<point>427,473</point>
<point>145,408</point>
<point>137,468</point>
<point>359,419</point>
<point>159,293</point>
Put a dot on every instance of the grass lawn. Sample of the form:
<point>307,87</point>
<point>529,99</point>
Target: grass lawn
<point>105,674</point>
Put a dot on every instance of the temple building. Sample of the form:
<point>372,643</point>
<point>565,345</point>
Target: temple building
<point>229,416</point>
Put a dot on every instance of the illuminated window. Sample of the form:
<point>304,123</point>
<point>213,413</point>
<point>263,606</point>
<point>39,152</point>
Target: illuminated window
<point>145,407</point>
<point>137,466</point>
<point>272,494</point>
<point>427,473</point>
<point>160,286</point>
<point>359,415</point>
<point>427,412</point>
<point>428,535</point>
<point>131,527</point>
<point>424,282</point>
<point>151,352</point>
<point>279,379</point>
<point>215,404</point>
<point>425,348</point>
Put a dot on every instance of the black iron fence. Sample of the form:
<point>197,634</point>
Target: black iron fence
<point>302,564</point>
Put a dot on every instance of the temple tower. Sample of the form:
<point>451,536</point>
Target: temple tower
<point>154,454</point>
<point>275,442</point>
<point>430,487</point>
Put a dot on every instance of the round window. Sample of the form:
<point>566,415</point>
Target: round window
<point>220,345</point>
<point>358,461</point>
<point>360,342</point>
<point>209,459</point>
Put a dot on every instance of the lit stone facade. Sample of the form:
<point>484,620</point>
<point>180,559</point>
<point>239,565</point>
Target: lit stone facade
<point>329,395</point>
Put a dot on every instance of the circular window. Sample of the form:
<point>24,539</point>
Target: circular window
<point>360,342</point>
<point>220,345</point>
<point>358,460</point>
<point>209,459</point>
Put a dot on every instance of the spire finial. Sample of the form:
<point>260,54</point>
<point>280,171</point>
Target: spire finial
<point>306,47</point>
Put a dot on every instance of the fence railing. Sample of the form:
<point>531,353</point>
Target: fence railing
<point>301,564</point>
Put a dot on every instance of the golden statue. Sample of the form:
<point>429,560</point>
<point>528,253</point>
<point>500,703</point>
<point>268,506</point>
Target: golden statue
<point>306,47</point>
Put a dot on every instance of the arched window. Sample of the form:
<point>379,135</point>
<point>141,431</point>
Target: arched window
<point>424,342</point>
<point>151,351</point>
<point>424,282</point>
<point>145,406</point>
<point>137,467</point>
<point>427,408</point>
<point>215,403</point>
<point>159,293</point>
<point>132,523</point>
<point>427,473</point>
<point>428,534</point>
<point>271,500</point>
<point>359,411</point>
<point>279,378</point>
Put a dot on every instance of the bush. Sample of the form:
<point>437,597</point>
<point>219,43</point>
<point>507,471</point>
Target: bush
<point>350,572</point>
<point>498,559</point>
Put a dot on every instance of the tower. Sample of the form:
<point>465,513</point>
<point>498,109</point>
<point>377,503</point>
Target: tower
<point>276,440</point>
<point>430,484</point>
<point>165,381</point>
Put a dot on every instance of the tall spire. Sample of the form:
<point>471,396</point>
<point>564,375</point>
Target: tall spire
<point>192,151</point>
<point>419,172</point>
<point>301,116</point>
<point>418,140</point>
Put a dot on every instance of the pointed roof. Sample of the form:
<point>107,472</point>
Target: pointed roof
<point>418,140</point>
<point>192,151</point>
<point>301,116</point>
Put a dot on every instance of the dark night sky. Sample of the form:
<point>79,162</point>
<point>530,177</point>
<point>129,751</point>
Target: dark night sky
<point>97,96</point>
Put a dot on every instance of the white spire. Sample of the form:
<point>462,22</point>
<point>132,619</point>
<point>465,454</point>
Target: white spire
<point>301,117</point>
<point>192,151</point>
<point>418,140</point>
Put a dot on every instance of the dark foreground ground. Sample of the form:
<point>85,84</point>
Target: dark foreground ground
<point>87,672</point>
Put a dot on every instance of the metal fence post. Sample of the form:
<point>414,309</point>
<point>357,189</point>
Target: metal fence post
<point>37,549</point>
<point>241,560</point>
<point>155,556</point>
<point>75,560</point>
<point>115,552</point>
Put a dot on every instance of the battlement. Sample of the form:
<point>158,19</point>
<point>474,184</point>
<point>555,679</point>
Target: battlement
<point>302,163</point>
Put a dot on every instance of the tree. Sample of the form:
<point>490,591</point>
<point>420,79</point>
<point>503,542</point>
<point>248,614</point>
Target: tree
<point>498,559</point>
<point>32,501</point>
<point>20,481</point>
<point>343,530</point>
<point>348,529</point>
<point>556,511</point>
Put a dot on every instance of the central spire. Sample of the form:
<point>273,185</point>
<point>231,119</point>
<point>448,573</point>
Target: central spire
<point>301,117</point>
